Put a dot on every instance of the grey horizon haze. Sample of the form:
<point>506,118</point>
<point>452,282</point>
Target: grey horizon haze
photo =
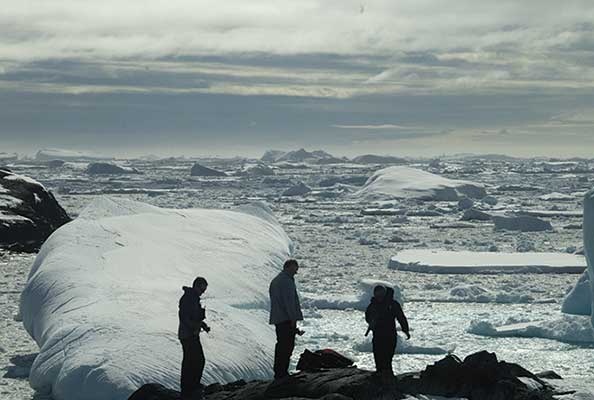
<point>412,77</point>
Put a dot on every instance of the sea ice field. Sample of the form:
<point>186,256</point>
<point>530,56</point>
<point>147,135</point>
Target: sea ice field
<point>346,234</point>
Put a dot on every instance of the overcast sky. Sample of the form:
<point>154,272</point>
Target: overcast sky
<point>401,77</point>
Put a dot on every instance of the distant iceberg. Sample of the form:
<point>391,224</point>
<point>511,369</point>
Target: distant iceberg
<point>69,155</point>
<point>102,297</point>
<point>405,182</point>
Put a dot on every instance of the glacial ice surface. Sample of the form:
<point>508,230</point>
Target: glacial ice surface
<point>101,298</point>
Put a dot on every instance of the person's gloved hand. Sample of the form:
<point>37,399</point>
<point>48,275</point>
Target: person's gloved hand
<point>407,335</point>
<point>206,328</point>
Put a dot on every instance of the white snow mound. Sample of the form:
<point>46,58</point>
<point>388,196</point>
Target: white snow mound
<point>102,297</point>
<point>406,182</point>
<point>468,262</point>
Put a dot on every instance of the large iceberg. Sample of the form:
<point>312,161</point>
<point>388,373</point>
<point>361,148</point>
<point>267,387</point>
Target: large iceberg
<point>102,296</point>
<point>405,182</point>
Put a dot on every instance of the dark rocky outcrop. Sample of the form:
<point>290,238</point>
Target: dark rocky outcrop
<point>101,168</point>
<point>521,223</point>
<point>28,213</point>
<point>201,170</point>
<point>479,377</point>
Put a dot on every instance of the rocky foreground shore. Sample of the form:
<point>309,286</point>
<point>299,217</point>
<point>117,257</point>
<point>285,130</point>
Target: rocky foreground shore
<point>480,376</point>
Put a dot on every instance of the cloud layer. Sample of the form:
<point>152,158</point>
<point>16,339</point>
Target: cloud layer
<point>520,67</point>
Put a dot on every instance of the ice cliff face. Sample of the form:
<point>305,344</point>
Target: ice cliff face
<point>589,242</point>
<point>580,299</point>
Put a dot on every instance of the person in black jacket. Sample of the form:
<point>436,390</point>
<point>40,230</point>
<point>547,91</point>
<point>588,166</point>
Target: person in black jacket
<point>191,322</point>
<point>381,315</point>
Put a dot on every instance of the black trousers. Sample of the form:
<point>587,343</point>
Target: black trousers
<point>384,347</point>
<point>285,343</point>
<point>192,366</point>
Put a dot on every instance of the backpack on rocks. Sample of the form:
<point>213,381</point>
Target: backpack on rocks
<point>322,359</point>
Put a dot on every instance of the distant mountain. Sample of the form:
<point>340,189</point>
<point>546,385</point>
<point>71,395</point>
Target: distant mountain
<point>301,155</point>
<point>375,159</point>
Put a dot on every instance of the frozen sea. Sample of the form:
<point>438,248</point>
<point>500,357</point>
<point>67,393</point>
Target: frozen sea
<point>337,247</point>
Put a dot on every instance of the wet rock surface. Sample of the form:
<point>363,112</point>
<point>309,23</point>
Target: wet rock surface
<point>480,376</point>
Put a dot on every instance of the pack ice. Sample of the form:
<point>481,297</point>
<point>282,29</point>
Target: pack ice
<point>406,182</point>
<point>102,296</point>
<point>565,328</point>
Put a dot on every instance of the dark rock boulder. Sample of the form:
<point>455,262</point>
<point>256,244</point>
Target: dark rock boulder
<point>521,223</point>
<point>479,377</point>
<point>201,170</point>
<point>472,214</point>
<point>28,213</point>
<point>101,168</point>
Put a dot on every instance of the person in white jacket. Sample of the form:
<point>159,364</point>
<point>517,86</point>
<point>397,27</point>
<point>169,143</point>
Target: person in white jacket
<point>285,311</point>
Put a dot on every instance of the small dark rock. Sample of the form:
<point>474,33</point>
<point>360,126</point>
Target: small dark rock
<point>549,375</point>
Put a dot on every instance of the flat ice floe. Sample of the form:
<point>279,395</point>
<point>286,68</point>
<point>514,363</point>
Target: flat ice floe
<point>406,182</point>
<point>468,262</point>
<point>102,297</point>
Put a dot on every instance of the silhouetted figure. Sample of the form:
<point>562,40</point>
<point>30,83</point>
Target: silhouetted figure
<point>285,311</point>
<point>381,315</point>
<point>191,322</point>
